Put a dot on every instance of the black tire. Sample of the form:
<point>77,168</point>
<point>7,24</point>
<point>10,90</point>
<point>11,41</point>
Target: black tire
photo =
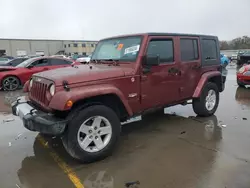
<point>70,139</point>
<point>240,84</point>
<point>199,104</point>
<point>13,86</point>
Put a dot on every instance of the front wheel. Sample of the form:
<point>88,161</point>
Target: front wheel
<point>92,133</point>
<point>10,83</point>
<point>208,102</point>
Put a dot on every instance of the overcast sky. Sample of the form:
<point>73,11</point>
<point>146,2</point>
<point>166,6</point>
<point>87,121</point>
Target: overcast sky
<point>96,19</point>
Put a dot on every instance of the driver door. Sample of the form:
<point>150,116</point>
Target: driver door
<point>37,66</point>
<point>159,86</point>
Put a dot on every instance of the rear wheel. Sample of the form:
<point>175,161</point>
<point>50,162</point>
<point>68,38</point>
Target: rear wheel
<point>10,83</point>
<point>92,133</point>
<point>208,102</point>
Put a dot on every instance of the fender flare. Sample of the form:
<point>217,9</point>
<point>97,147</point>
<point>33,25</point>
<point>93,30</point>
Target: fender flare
<point>60,98</point>
<point>203,80</point>
<point>26,86</point>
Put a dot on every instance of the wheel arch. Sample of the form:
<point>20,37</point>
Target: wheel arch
<point>110,100</point>
<point>10,75</point>
<point>214,77</point>
<point>107,95</point>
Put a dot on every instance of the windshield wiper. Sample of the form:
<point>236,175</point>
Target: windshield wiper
<point>115,61</point>
<point>97,60</point>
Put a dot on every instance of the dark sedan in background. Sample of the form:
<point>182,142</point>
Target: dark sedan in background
<point>244,58</point>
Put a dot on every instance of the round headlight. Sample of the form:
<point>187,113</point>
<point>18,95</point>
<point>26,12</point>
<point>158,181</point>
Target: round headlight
<point>52,89</point>
<point>31,83</point>
<point>242,69</point>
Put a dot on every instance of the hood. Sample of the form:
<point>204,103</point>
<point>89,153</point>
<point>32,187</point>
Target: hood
<point>6,68</point>
<point>84,73</point>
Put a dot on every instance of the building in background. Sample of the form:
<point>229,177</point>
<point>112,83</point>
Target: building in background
<point>23,47</point>
<point>79,47</point>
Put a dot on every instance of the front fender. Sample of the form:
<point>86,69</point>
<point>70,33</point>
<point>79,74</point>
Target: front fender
<point>203,80</point>
<point>26,86</point>
<point>61,97</point>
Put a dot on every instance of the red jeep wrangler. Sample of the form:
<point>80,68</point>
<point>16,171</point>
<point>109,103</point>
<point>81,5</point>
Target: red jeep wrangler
<point>127,76</point>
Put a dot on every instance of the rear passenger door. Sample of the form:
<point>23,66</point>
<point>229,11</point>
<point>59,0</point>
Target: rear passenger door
<point>59,63</point>
<point>190,65</point>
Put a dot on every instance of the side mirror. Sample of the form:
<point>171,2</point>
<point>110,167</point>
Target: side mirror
<point>151,60</point>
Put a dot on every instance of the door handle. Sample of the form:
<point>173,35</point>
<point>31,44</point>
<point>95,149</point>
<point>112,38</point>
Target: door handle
<point>174,71</point>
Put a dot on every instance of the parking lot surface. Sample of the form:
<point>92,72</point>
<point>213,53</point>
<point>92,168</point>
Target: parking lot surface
<point>175,149</point>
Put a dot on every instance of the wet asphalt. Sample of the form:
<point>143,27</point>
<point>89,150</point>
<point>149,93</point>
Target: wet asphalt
<point>175,150</point>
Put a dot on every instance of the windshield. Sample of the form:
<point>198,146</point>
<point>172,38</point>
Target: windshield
<point>122,49</point>
<point>25,63</point>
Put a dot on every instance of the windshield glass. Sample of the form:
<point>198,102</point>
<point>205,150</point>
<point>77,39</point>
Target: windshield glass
<point>122,49</point>
<point>25,63</point>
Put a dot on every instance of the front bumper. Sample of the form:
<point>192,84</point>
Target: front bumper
<point>243,79</point>
<point>36,120</point>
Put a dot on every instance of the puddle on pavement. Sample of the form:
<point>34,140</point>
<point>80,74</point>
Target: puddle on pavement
<point>7,98</point>
<point>159,150</point>
<point>147,147</point>
<point>242,96</point>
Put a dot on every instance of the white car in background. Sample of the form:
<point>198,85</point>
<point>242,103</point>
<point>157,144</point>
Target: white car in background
<point>61,56</point>
<point>237,55</point>
<point>234,56</point>
<point>84,59</point>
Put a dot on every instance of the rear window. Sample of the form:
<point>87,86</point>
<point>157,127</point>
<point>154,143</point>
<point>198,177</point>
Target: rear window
<point>209,49</point>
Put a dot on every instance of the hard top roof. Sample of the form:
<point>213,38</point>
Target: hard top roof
<point>161,34</point>
<point>180,34</point>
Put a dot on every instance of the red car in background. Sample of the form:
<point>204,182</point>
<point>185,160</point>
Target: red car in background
<point>243,76</point>
<point>11,78</point>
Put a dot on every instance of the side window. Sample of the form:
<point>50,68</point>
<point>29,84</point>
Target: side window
<point>41,63</point>
<point>209,49</point>
<point>58,62</point>
<point>189,49</point>
<point>162,48</point>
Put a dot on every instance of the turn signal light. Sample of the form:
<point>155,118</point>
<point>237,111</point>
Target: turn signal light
<point>69,103</point>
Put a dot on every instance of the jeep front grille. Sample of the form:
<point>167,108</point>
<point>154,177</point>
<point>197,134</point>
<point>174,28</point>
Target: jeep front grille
<point>38,93</point>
